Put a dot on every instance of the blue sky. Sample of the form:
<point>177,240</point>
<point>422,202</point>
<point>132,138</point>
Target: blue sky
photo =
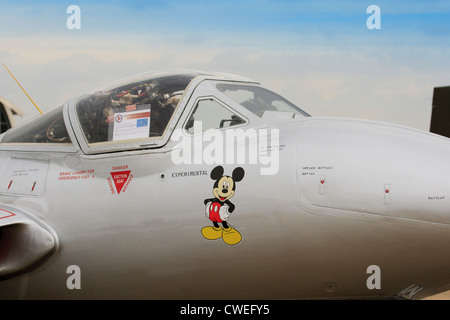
<point>319,54</point>
<point>227,17</point>
<point>257,23</point>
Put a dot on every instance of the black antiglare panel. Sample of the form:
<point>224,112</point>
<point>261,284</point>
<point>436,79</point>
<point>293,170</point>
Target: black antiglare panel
<point>4,120</point>
<point>440,113</point>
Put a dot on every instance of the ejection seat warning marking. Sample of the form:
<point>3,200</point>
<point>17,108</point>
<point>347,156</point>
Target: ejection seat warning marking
<point>5,214</point>
<point>76,175</point>
<point>119,180</point>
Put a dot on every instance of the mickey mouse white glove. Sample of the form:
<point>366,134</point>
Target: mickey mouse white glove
<point>223,212</point>
<point>207,209</point>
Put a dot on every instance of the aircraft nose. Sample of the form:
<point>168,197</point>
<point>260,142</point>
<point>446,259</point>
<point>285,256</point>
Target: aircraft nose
<point>369,167</point>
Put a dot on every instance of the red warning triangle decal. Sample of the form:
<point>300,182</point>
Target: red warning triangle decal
<point>120,178</point>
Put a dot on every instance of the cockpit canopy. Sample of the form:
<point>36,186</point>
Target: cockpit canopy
<point>258,100</point>
<point>136,110</point>
<point>142,111</point>
<point>47,128</point>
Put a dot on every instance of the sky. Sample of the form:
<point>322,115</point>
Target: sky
<point>320,55</point>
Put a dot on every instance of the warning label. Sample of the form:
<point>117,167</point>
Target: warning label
<point>119,180</point>
<point>76,175</point>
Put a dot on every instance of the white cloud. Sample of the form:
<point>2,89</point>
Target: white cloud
<point>386,83</point>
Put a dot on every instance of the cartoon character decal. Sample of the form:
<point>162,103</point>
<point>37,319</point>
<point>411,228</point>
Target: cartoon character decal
<point>219,208</point>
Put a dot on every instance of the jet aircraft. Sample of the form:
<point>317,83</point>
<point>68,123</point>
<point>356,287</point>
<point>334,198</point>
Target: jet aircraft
<point>196,185</point>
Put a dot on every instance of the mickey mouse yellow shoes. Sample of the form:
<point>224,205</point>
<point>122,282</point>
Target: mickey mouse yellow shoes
<point>229,235</point>
<point>212,233</point>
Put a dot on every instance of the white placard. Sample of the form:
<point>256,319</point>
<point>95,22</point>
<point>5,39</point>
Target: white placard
<point>131,125</point>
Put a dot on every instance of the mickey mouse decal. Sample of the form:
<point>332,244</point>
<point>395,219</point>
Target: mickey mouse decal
<point>219,208</point>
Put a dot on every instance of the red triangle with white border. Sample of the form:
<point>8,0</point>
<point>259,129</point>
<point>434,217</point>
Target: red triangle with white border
<point>120,178</point>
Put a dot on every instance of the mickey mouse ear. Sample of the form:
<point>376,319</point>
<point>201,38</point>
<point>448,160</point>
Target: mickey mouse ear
<point>216,173</point>
<point>238,174</point>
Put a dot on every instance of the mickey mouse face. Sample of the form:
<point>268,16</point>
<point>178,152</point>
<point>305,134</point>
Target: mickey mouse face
<point>224,189</point>
<point>225,186</point>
